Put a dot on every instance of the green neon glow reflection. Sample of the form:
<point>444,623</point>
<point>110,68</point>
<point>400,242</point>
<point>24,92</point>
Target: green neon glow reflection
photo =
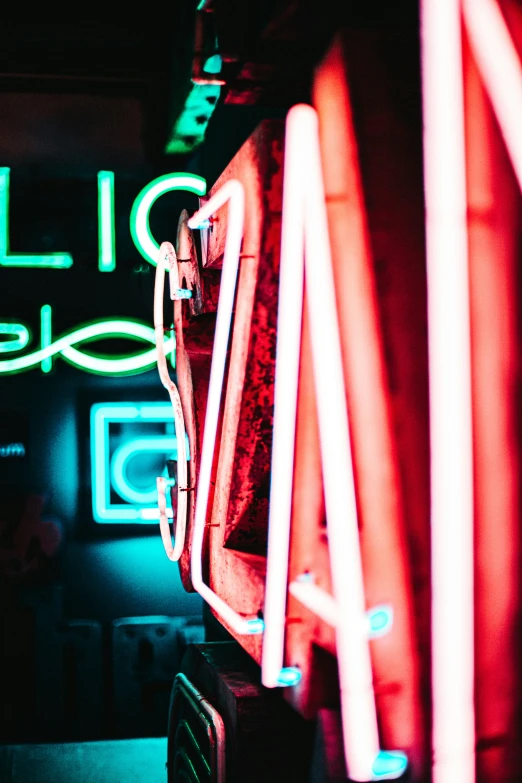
<point>44,260</point>
<point>17,337</point>
<point>139,217</point>
<point>110,474</point>
<point>389,765</point>
<point>101,365</point>
<point>106,227</point>
<point>46,335</point>
<point>213,64</point>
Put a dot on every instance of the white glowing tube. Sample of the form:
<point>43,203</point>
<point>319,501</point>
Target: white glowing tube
<point>499,65</point>
<point>359,718</point>
<point>232,191</point>
<point>450,394</point>
<point>316,600</point>
<point>167,262</point>
<point>289,319</point>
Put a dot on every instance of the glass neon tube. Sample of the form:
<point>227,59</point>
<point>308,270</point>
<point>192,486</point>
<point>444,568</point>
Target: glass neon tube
<point>450,395</point>
<point>289,319</point>
<point>84,361</point>
<point>37,260</point>
<point>17,337</point>
<point>46,335</point>
<point>499,66</point>
<point>303,197</point>
<point>232,191</point>
<point>139,217</point>
<point>106,227</point>
<point>167,261</point>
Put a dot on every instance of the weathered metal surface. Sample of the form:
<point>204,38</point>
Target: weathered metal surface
<point>257,166</point>
<point>242,480</point>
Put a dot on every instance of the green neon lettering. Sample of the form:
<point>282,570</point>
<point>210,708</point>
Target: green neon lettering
<point>17,337</point>
<point>139,218</point>
<point>106,227</point>
<point>64,346</point>
<point>46,335</point>
<point>47,260</point>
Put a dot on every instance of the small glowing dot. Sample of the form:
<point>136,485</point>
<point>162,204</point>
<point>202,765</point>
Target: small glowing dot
<point>289,676</point>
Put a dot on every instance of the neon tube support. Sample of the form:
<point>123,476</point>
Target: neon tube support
<point>450,395</point>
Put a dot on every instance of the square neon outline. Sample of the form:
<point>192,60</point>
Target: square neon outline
<point>101,416</point>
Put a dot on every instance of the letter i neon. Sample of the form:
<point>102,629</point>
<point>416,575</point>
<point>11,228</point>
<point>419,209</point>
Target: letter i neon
<point>106,227</point>
<point>46,336</point>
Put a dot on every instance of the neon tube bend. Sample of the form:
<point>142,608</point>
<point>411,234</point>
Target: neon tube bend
<point>233,192</point>
<point>167,262</point>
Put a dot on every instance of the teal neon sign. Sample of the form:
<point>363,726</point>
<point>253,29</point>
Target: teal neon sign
<point>139,221</point>
<point>45,260</point>
<point>14,337</point>
<point>106,225</point>
<point>115,497</point>
<point>139,218</point>
<point>64,346</point>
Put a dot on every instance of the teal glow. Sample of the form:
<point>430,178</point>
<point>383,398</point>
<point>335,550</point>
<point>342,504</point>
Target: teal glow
<point>46,335</point>
<point>183,293</point>
<point>288,676</point>
<point>106,227</point>
<point>380,620</point>
<point>46,260</point>
<point>100,365</point>
<point>256,626</point>
<point>17,337</point>
<point>135,505</point>
<point>191,125</point>
<point>389,765</point>
<point>139,217</point>
<point>12,450</point>
<point>213,64</point>
<point>132,448</point>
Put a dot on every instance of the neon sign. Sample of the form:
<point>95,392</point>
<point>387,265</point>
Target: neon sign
<point>139,218</point>
<point>15,337</point>
<point>49,260</point>
<point>64,346</point>
<point>116,499</point>
<point>304,240</point>
<point>139,221</point>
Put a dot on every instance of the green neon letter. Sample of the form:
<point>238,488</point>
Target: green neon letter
<point>48,260</point>
<point>139,218</point>
<point>17,337</point>
<point>46,335</point>
<point>106,230</point>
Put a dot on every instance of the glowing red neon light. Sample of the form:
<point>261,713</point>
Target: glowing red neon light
<point>450,395</point>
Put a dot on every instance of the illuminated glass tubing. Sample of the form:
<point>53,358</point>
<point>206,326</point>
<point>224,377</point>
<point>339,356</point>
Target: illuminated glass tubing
<point>106,227</point>
<point>40,260</point>
<point>139,217</point>
<point>64,346</point>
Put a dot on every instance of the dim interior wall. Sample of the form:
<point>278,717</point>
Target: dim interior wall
<point>104,573</point>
